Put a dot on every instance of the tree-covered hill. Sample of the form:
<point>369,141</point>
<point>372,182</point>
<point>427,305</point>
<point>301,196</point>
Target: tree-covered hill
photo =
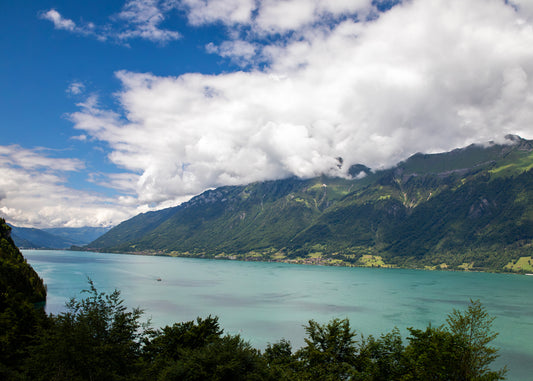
<point>17,277</point>
<point>469,208</point>
<point>22,298</point>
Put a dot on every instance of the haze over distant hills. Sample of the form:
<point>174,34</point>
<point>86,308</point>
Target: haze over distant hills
<point>54,238</point>
<point>469,208</point>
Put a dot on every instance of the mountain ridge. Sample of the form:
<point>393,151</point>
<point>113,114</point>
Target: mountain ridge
<point>54,238</point>
<point>395,217</point>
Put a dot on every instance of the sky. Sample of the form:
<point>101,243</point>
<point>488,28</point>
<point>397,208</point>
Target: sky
<point>117,107</point>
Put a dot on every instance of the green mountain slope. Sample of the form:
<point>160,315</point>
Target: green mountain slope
<point>224,219</point>
<point>22,296</point>
<point>468,208</point>
<point>133,228</point>
<point>17,277</point>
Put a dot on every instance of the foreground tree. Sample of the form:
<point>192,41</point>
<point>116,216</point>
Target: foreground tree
<point>197,350</point>
<point>228,358</point>
<point>459,351</point>
<point>283,365</point>
<point>432,354</point>
<point>99,339</point>
<point>330,352</point>
<point>473,328</point>
<point>96,339</point>
<point>382,359</point>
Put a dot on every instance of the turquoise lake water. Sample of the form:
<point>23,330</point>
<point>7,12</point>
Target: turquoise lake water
<point>265,302</point>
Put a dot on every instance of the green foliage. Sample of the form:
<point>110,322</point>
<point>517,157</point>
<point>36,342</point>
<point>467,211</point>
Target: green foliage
<point>227,358</point>
<point>282,363</point>
<point>17,277</point>
<point>473,328</point>
<point>330,352</point>
<point>169,342</point>
<point>382,359</point>
<point>22,296</point>
<point>432,354</point>
<point>172,343</point>
<point>198,351</point>
<point>99,339</point>
<point>96,339</point>
<point>459,351</point>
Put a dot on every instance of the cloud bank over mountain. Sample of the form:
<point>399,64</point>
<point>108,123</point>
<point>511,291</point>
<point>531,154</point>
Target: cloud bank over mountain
<point>424,76</point>
<point>312,81</point>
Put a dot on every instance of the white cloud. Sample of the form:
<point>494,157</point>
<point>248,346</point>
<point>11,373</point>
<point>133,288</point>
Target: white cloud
<point>34,193</point>
<point>273,16</point>
<point>239,51</point>
<point>284,15</point>
<point>59,21</point>
<point>230,12</point>
<point>428,75</point>
<point>81,138</point>
<point>142,18</point>
<point>138,19</point>
<point>525,7</point>
<point>33,159</point>
<point>76,88</point>
<point>280,16</point>
<point>328,79</point>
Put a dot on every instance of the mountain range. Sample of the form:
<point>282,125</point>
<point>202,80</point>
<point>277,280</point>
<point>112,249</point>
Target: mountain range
<point>54,238</point>
<point>470,209</point>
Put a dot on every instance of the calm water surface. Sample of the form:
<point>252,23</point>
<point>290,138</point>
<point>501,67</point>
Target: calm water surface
<point>265,302</point>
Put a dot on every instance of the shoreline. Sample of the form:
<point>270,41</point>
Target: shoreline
<point>300,261</point>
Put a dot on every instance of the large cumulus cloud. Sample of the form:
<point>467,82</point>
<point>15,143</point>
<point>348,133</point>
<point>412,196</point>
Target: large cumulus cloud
<point>427,75</point>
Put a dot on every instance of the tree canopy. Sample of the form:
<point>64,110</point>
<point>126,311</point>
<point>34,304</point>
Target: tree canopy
<point>99,338</point>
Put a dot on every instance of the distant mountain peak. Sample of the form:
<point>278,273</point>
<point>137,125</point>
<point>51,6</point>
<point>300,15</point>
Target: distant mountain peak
<point>521,143</point>
<point>514,138</point>
<point>359,170</point>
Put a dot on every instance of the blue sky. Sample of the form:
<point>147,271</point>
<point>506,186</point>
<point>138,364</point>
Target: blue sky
<point>41,63</point>
<point>112,108</point>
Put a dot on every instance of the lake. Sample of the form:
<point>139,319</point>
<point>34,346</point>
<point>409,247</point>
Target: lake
<point>265,302</point>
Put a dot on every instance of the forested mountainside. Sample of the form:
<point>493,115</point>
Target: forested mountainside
<point>22,298</point>
<point>17,277</point>
<point>469,208</point>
